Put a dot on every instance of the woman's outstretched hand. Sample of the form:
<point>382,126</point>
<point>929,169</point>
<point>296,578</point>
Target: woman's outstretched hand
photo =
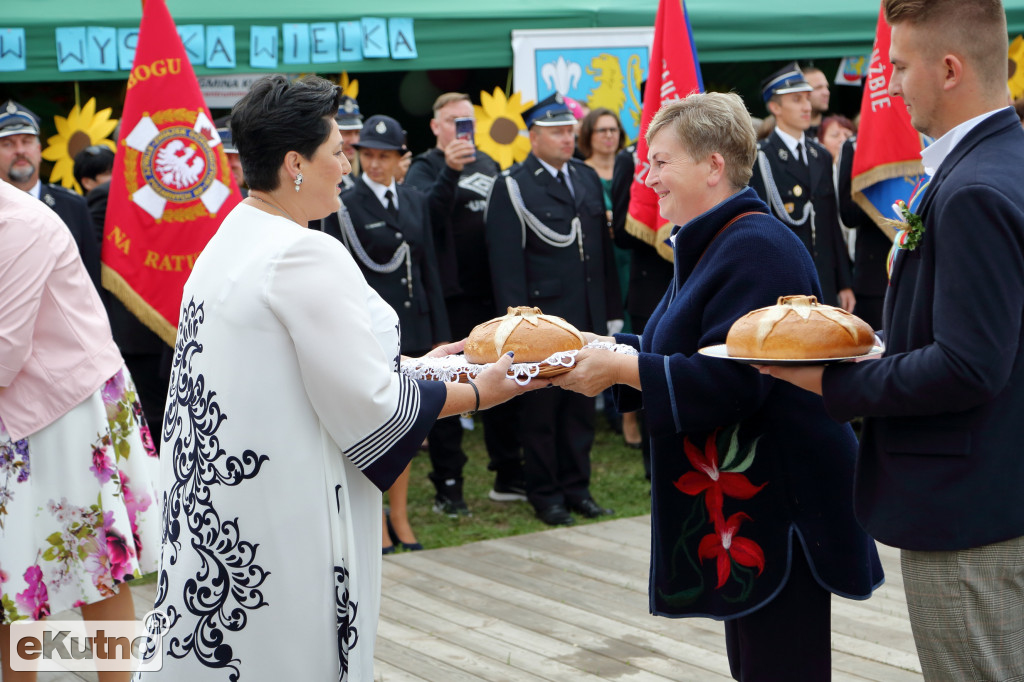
<point>496,386</point>
<point>594,371</point>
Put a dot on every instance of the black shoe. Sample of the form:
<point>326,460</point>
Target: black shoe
<point>390,549</point>
<point>556,515</point>
<point>448,498</point>
<point>407,546</point>
<point>590,509</point>
<point>453,509</point>
<point>508,491</point>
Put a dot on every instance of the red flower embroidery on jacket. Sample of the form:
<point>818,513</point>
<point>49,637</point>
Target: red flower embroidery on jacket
<point>708,478</point>
<point>725,547</point>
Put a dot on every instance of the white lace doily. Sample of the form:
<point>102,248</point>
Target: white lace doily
<point>454,367</point>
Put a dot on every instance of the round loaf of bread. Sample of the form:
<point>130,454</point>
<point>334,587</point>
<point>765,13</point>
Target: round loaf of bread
<point>527,332</point>
<point>799,328</point>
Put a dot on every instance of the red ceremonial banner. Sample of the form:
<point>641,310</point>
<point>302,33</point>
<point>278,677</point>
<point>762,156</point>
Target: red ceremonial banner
<point>887,162</point>
<point>171,184</point>
<point>674,72</point>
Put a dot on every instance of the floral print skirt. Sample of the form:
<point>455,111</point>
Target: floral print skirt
<point>79,507</point>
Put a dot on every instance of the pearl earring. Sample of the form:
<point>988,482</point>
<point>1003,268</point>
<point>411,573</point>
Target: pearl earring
<point>298,181</point>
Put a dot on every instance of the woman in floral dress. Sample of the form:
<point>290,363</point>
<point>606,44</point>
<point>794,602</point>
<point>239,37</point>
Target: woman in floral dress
<point>79,511</point>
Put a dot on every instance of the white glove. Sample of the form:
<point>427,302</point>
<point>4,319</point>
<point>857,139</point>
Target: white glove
<point>614,327</point>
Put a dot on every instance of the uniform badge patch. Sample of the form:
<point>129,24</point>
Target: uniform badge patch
<point>477,182</point>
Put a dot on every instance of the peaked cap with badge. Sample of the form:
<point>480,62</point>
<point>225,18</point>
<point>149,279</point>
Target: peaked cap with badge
<point>550,111</point>
<point>381,132</point>
<point>348,116</point>
<point>784,81</point>
<point>16,119</point>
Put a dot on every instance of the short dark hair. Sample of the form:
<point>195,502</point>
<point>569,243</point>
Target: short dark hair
<point>588,125</point>
<point>975,28</point>
<point>278,116</point>
<point>92,161</point>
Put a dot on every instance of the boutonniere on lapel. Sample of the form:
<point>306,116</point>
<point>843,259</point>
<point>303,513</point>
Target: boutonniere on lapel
<point>910,226</point>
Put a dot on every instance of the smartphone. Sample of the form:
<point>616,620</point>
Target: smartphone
<point>464,128</point>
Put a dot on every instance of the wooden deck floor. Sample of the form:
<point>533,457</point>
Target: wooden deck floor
<point>570,605</point>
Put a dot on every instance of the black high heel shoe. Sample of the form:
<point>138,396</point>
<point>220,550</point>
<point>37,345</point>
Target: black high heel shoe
<point>407,546</point>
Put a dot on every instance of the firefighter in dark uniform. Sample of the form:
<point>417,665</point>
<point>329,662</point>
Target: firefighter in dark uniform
<point>793,175</point>
<point>20,157</point>
<point>549,247</point>
<point>386,226</point>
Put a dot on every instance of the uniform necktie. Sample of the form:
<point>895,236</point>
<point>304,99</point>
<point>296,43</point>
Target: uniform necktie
<point>392,209</point>
<point>562,179</point>
<point>800,153</point>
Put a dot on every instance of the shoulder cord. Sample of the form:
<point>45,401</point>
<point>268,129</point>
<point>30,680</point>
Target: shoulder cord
<point>543,232</point>
<point>351,239</point>
<point>776,201</point>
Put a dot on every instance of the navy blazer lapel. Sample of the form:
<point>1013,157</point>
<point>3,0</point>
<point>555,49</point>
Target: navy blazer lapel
<point>996,123</point>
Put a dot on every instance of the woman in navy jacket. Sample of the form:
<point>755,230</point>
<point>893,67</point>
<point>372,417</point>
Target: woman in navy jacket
<point>752,514</point>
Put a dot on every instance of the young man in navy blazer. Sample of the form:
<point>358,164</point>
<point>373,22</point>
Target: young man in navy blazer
<point>940,471</point>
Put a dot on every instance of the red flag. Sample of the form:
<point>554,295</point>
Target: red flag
<point>887,164</point>
<point>171,184</point>
<point>674,72</point>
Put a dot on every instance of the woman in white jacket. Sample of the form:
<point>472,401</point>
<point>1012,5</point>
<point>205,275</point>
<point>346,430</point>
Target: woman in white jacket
<point>286,419</point>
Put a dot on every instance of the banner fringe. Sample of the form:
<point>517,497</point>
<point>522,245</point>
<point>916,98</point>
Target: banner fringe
<point>137,306</point>
<point>657,239</point>
<point>888,171</point>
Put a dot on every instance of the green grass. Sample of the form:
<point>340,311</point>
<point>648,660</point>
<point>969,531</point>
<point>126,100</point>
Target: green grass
<point>617,481</point>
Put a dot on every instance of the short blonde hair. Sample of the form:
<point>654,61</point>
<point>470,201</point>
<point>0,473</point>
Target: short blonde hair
<point>447,98</point>
<point>705,123</point>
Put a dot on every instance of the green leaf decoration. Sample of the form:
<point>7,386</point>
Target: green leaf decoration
<point>748,460</point>
<point>731,449</point>
<point>683,597</point>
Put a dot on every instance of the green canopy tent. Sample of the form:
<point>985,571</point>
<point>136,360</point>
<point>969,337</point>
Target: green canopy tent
<point>470,33</point>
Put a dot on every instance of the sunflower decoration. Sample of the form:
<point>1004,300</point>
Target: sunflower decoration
<point>499,124</point>
<point>1016,82</point>
<point>349,87</point>
<point>84,127</point>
